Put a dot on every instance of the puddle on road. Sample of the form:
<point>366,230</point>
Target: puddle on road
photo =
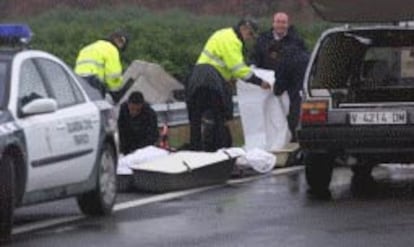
<point>394,182</point>
<point>399,171</point>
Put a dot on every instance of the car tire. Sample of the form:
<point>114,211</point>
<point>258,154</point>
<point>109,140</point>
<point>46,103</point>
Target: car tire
<point>318,172</point>
<point>6,197</point>
<point>101,200</point>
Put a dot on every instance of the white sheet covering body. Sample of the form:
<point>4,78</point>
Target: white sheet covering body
<point>159,160</point>
<point>182,161</point>
<point>257,159</point>
<point>139,156</point>
<point>263,115</point>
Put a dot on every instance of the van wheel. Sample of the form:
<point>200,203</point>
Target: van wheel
<point>318,172</point>
<point>101,200</point>
<point>6,197</point>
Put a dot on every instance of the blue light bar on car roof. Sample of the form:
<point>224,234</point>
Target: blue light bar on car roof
<point>15,34</point>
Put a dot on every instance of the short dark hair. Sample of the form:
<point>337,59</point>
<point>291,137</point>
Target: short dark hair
<point>250,23</point>
<point>118,34</point>
<point>136,97</point>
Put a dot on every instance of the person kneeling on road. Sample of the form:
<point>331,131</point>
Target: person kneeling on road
<point>137,124</point>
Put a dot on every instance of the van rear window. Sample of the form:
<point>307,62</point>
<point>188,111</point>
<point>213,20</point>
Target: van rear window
<point>388,66</point>
<point>368,58</point>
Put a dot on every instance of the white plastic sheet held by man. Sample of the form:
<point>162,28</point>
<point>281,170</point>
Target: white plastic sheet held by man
<point>263,115</point>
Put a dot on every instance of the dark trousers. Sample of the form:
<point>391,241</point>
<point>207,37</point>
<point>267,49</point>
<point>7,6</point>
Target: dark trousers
<point>294,115</point>
<point>94,87</point>
<point>97,90</point>
<point>207,117</point>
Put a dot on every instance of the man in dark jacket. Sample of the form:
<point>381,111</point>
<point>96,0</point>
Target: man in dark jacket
<point>283,51</point>
<point>290,70</point>
<point>137,124</point>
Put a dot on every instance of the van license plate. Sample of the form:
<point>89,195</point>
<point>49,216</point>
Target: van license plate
<point>365,118</point>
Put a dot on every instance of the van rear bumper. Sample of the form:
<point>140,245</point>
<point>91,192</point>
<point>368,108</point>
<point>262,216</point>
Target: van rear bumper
<point>361,139</point>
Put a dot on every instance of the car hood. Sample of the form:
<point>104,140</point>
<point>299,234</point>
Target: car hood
<point>364,11</point>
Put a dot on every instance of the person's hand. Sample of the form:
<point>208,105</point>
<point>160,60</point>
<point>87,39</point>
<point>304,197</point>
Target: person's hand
<point>233,82</point>
<point>265,85</point>
<point>277,91</point>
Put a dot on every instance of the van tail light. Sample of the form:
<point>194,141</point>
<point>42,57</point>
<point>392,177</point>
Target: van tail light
<point>314,112</point>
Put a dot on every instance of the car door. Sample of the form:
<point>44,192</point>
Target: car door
<point>75,136</point>
<point>37,128</point>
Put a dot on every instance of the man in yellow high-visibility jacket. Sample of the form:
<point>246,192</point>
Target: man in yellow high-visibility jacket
<point>100,65</point>
<point>209,88</point>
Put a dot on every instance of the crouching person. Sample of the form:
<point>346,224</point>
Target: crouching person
<point>137,124</point>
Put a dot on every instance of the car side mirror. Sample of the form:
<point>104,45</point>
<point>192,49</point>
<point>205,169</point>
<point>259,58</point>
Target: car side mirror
<point>39,106</point>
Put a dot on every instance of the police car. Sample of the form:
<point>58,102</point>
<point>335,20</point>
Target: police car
<point>54,141</point>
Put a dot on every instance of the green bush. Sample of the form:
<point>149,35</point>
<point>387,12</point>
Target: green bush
<point>173,38</point>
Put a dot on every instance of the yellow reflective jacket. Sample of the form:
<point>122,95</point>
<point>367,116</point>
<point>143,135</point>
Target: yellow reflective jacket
<point>101,59</point>
<point>224,51</point>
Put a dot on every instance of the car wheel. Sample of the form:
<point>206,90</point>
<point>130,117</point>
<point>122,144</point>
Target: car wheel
<point>318,171</point>
<point>100,201</point>
<point>6,197</point>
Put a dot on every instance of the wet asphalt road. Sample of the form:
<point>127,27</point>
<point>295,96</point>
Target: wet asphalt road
<point>270,211</point>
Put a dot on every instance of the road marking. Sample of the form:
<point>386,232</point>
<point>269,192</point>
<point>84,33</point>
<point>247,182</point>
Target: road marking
<point>160,198</point>
<point>45,224</point>
<point>277,172</point>
<point>173,195</point>
<point>145,201</point>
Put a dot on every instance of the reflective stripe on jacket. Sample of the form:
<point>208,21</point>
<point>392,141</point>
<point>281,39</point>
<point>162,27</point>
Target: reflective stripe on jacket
<point>101,59</point>
<point>224,51</point>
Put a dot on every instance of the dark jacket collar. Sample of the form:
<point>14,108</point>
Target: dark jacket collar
<point>237,31</point>
<point>290,33</point>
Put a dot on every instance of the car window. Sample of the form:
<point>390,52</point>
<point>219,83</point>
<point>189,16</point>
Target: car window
<point>365,66</point>
<point>370,59</point>
<point>337,60</point>
<point>78,94</point>
<point>4,68</point>
<point>389,66</point>
<point>59,81</point>
<point>31,84</point>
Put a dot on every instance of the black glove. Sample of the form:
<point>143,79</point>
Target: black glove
<point>277,90</point>
<point>117,95</point>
